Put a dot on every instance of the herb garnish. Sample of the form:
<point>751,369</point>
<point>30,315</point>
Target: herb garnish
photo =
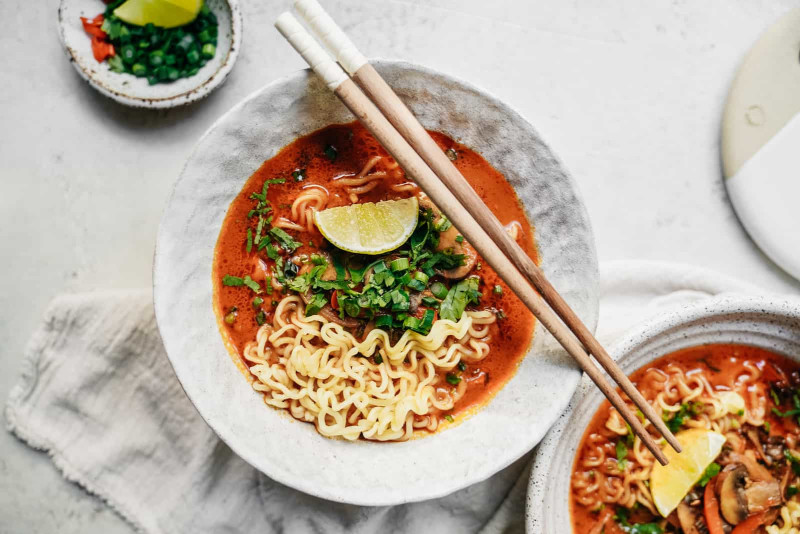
<point>453,379</point>
<point>621,517</point>
<point>622,454</point>
<point>459,297</point>
<point>711,471</point>
<point>299,175</point>
<point>686,411</point>
<point>793,460</point>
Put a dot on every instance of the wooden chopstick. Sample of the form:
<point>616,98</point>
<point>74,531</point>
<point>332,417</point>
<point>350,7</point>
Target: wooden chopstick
<point>406,123</point>
<point>409,127</point>
<point>380,127</point>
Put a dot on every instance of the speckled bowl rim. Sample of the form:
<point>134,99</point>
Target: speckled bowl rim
<point>198,92</point>
<point>722,319</point>
<point>477,467</point>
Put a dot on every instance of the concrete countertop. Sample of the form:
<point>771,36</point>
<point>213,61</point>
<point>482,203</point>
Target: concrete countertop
<point>629,94</point>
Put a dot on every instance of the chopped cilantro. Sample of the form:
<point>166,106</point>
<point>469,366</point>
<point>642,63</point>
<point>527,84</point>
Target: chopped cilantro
<point>261,317</point>
<point>317,302</point>
<point>459,297</point>
<point>286,241</point>
<point>686,411</point>
<point>621,517</point>
<point>232,281</point>
<point>252,284</point>
<point>793,460</point>
<point>622,454</point>
<point>711,471</point>
<point>459,238</point>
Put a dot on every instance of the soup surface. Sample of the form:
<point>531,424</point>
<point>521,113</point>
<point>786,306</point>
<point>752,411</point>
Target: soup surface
<point>735,409</point>
<point>295,310</point>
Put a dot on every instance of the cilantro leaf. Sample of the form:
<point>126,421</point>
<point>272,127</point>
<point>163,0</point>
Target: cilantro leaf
<point>232,281</point>
<point>711,471</point>
<point>316,303</point>
<point>458,298</point>
<point>287,242</point>
<point>252,284</point>
<point>622,454</point>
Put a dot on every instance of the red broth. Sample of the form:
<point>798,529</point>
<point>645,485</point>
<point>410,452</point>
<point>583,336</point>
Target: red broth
<point>510,336</point>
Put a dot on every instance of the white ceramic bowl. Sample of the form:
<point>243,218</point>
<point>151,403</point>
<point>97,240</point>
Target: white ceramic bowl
<point>292,452</point>
<point>770,323</point>
<point>132,91</point>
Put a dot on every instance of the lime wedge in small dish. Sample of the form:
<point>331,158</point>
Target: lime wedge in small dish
<point>670,483</point>
<point>163,13</point>
<point>369,228</point>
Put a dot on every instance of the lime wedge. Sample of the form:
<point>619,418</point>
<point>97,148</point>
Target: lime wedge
<point>164,13</point>
<point>670,483</point>
<point>369,228</point>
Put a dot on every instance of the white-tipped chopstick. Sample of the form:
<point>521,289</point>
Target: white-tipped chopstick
<point>462,213</point>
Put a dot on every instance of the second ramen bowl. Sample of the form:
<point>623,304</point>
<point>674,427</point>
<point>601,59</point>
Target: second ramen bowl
<point>767,323</point>
<point>292,452</point>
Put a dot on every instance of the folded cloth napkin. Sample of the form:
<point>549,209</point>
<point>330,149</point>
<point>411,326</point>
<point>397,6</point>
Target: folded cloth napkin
<point>98,394</point>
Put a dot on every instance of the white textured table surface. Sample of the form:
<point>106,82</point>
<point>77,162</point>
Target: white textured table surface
<point>628,93</point>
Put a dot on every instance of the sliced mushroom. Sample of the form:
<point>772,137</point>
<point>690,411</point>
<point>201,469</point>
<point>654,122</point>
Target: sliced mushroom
<point>747,489</point>
<point>447,241</point>
<point>732,498</point>
<point>689,517</point>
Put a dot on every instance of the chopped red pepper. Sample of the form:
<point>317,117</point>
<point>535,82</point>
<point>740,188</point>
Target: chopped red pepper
<point>335,301</point>
<point>749,525</point>
<point>711,509</point>
<point>102,49</point>
<point>94,26</point>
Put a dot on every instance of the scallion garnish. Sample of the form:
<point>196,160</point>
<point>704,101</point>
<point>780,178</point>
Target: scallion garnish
<point>453,379</point>
<point>299,175</point>
<point>439,290</point>
<point>498,290</point>
<point>331,152</point>
<point>400,264</point>
<point>257,302</point>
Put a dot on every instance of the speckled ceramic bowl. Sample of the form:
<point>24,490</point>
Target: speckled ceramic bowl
<point>770,323</point>
<point>132,91</point>
<point>292,452</point>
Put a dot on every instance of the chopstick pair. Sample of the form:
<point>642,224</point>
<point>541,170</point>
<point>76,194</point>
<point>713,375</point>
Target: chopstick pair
<point>396,128</point>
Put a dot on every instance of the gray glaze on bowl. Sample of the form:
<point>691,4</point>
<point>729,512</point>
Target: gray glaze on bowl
<point>292,452</point>
<point>137,92</point>
<point>769,323</point>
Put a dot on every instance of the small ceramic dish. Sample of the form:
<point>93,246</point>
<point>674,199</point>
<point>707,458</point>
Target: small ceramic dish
<point>768,323</point>
<point>292,452</point>
<point>132,91</point>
